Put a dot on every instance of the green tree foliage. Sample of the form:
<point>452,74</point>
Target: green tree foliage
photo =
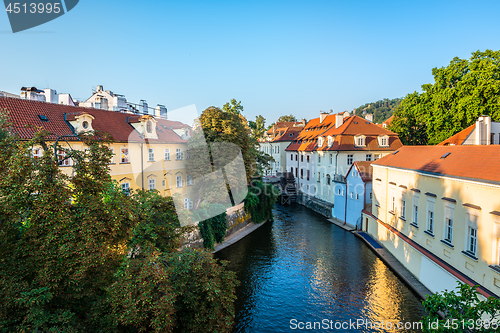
<point>233,107</point>
<point>260,200</point>
<point>462,310</point>
<point>79,255</point>
<point>461,92</point>
<point>288,118</point>
<point>381,110</point>
<point>258,127</point>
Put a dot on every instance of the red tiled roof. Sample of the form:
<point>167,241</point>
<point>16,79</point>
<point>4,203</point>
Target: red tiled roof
<point>470,162</point>
<point>284,124</point>
<point>458,138</point>
<point>344,135</point>
<point>25,112</point>
<point>365,170</point>
<point>389,121</point>
<point>287,134</point>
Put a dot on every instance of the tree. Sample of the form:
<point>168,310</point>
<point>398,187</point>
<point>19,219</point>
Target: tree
<point>289,118</point>
<point>462,311</point>
<point>258,127</point>
<point>461,92</point>
<point>77,254</point>
<point>233,107</point>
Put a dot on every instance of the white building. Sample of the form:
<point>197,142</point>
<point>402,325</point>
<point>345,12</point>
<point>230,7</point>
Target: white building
<point>275,142</point>
<point>328,146</point>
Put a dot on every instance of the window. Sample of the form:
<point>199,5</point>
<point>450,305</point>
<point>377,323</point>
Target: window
<point>126,188</point>
<point>319,159</point>
<point>167,154</point>
<point>37,153</point>
<point>302,158</point>
<point>383,141</point>
<point>296,157</point>
<point>296,172</point>
<point>291,170</point>
<point>403,205</point>
<point>376,157</point>
<point>307,158</point>
<point>189,180</point>
<point>301,173</point>
<point>392,199</point>
<point>430,216</point>
<point>319,177</point>
<point>368,157</point>
<point>320,142</point>
<point>151,183</point>
<point>472,246</point>
<point>151,154</point>
<point>149,127</point>
<point>415,210</point>
<point>371,196</point>
<point>188,204</point>
<point>360,140</point>
<point>61,157</point>
<point>328,179</point>
<point>291,157</point>
<point>178,154</point>
<point>307,174</point>
<point>124,155</point>
<point>330,141</point>
<point>448,234</point>
<point>331,159</point>
<point>357,196</point>
<point>472,227</point>
<point>349,159</point>
<point>179,181</point>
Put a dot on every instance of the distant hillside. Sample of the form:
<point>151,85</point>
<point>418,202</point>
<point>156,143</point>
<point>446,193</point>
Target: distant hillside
<point>381,110</point>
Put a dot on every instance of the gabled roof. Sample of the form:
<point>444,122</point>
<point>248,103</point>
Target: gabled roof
<point>364,168</point>
<point>24,115</point>
<point>287,134</point>
<point>478,163</point>
<point>311,132</point>
<point>284,124</point>
<point>458,138</point>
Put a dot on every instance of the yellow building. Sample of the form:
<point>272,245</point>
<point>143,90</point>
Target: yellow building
<point>149,152</point>
<point>437,210</point>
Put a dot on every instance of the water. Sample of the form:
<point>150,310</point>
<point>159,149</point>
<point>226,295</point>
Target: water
<point>301,268</point>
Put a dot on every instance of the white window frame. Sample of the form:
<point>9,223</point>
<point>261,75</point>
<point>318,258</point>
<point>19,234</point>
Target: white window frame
<point>126,187</point>
<point>392,199</point>
<point>368,157</point>
<point>61,157</point>
<point>178,181</point>
<point>383,141</point>
<point>190,180</point>
<point>360,141</point>
<point>472,224</point>
<point>167,154</point>
<point>449,222</point>
<point>178,154</point>
<point>416,199</point>
<point>350,159</point>
<point>36,152</point>
<point>151,154</point>
<point>151,184</point>
<point>112,158</point>
<point>431,215</point>
<point>402,203</point>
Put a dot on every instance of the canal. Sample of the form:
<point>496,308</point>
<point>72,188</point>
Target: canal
<point>301,268</point>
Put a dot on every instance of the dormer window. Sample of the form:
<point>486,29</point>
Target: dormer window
<point>82,123</point>
<point>383,141</point>
<point>149,128</point>
<point>320,141</point>
<point>330,141</point>
<point>359,140</point>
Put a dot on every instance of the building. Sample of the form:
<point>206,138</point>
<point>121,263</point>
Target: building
<point>276,140</point>
<point>483,132</point>
<point>148,152</point>
<point>327,148</point>
<point>354,195</point>
<point>436,209</point>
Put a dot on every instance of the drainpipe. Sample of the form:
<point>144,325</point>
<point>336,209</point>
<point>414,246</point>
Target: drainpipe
<point>142,166</point>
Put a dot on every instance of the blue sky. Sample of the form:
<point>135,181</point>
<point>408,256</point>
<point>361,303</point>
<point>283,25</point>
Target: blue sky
<point>276,57</point>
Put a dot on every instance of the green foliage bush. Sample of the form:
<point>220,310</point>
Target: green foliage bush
<point>213,230</point>
<point>462,311</point>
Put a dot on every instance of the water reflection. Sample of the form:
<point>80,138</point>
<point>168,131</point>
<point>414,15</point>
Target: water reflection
<point>304,268</point>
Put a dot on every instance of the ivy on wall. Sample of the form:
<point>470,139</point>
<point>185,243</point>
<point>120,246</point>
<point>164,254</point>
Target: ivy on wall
<point>213,230</point>
<point>260,200</point>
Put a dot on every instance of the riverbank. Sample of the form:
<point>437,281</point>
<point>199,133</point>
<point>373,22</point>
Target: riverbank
<point>238,235</point>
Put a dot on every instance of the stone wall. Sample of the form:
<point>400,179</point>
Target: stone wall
<point>236,219</point>
<point>319,206</point>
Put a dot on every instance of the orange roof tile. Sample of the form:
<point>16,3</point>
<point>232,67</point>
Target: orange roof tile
<point>458,138</point>
<point>467,162</point>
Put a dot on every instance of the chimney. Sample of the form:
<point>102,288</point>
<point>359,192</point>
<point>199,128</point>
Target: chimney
<point>303,122</point>
<point>322,116</point>
<point>483,130</point>
<point>99,87</point>
<point>369,117</point>
<point>161,111</point>
<point>339,120</point>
